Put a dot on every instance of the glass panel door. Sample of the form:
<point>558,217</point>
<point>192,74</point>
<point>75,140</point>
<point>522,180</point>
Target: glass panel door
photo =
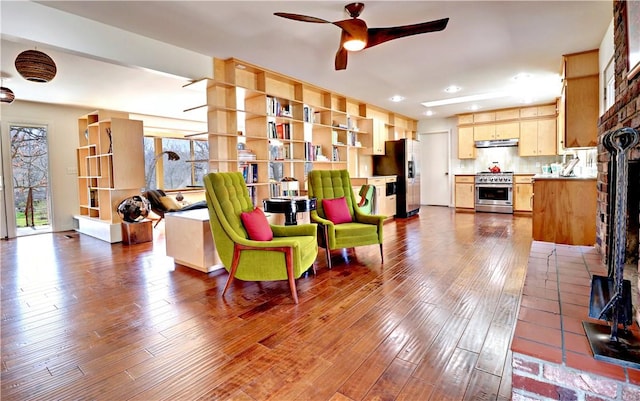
<point>30,179</point>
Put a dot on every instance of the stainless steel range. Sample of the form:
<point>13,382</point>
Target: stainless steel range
<point>494,192</point>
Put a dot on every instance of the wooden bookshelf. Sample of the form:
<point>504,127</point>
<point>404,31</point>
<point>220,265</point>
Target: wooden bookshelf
<point>290,125</point>
<point>110,168</point>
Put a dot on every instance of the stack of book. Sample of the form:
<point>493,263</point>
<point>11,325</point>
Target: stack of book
<point>246,155</point>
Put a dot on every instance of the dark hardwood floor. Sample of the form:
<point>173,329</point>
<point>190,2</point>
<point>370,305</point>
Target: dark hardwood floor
<point>86,320</point>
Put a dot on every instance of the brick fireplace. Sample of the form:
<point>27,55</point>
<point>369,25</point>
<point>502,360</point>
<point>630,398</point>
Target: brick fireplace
<point>624,113</point>
<point>552,358</point>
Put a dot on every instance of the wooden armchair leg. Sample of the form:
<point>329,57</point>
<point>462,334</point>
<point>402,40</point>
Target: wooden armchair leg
<point>288,255</point>
<point>381,255</point>
<point>325,234</point>
<point>234,267</point>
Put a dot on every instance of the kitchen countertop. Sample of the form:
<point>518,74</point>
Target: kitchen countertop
<point>557,177</point>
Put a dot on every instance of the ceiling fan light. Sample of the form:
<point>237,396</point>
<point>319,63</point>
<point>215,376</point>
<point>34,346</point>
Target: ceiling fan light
<point>6,95</point>
<point>354,45</point>
<point>35,66</point>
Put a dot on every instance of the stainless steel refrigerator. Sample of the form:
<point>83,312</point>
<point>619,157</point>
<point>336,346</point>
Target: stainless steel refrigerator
<point>401,159</point>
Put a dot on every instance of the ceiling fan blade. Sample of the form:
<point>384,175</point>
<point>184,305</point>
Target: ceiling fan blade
<point>303,18</point>
<point>341,58</point>
<point>381,35</point>
<point>354,27</point>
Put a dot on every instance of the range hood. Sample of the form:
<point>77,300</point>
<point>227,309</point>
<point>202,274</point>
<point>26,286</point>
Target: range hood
<point>497,143</point>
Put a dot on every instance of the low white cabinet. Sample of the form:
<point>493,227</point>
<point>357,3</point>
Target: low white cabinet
<point>189,240</point>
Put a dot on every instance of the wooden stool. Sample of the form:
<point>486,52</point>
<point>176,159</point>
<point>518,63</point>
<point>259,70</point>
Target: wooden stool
<point>136,233</point>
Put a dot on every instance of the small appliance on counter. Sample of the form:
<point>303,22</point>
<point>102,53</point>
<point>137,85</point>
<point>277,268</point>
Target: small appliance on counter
<point>567,171</point>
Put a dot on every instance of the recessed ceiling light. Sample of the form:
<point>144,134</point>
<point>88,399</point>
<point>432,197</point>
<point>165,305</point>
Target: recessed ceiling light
<point>429,113</point>
<point>523,76</point>
<point>452,89</point>
<point>396,98</point>
<point>474,107</point>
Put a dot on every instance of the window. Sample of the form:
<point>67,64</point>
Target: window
<point>187,171</point>
<point>609,85</point>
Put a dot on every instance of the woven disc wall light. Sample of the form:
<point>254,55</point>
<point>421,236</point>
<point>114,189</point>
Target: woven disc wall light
<point>35,66</point>
<point>6,95</point>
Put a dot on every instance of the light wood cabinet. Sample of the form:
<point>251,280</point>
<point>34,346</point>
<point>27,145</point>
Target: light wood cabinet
<point>507,114</point>
<point>290,126</point>
<point>465,192</point>
<point>538,111</point>
<point>110,163</point>
<point>390,201</point>
<point>484,132</point>
<point>580,99</point>
<point>537,137</point>
<point>507,124</point>
<point>564,211</point>
<point>379,132</point>
<point>487,132</point>
<point>466,146</point>
<point>508,130</point>
<point>523,193</point>
<point>383,204</point>
<point>484,117</point>
<point>464,119</point>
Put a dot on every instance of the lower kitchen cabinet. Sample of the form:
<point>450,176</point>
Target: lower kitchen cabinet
<point>465,192</point>
<point>564,210</point>
<point>523,193</point>
<point>383,204</point>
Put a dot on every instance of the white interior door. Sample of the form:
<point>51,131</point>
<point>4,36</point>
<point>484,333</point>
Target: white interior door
<point>434,159</point>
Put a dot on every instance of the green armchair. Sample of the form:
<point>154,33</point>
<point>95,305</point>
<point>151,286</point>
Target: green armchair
<point>365,229</point>
<point>287,256</point>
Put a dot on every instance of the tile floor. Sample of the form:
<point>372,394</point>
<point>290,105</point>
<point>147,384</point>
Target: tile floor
<point>554,304</point>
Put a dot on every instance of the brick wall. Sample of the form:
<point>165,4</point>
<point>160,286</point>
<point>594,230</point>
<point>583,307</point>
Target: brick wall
<point>535,380</point>
<point>624,113</point>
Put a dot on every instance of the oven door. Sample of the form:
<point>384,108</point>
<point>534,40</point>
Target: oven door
<point>497,198</point>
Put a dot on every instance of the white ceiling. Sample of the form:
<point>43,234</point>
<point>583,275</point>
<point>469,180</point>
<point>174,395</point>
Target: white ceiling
<point>483,47</point>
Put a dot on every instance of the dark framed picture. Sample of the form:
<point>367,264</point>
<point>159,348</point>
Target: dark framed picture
<point>633,37</point>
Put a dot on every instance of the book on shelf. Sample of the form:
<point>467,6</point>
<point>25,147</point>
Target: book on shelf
<point>253,194</point>
<point>275,108</point>
<point>249,172</point>
<point>283,131</point>
<point>313,152</point>
<point>308,114</point>
<point>274,189</point>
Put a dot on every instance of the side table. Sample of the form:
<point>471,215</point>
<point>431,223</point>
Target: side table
<point>189,240</point>
<point>136,233</point>
<point>290,206</point>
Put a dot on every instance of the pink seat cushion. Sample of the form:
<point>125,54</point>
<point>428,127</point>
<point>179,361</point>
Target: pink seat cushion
<point>257,226</point>
<point>336,210</point>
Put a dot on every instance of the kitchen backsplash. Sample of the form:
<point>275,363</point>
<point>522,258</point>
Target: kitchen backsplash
<point>508,160</point>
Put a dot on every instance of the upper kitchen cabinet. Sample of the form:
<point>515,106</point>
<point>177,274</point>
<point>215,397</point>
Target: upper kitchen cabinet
<point>537,137</point>
<point>579,102</point>
<point>535,126</point>
<point>466,145</point>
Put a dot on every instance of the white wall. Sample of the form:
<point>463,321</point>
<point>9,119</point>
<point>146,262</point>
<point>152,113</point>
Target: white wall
<point>62,128</point>
<point>605,59</point>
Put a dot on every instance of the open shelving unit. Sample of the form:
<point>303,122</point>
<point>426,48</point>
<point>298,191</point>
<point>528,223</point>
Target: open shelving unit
<point>110,168</point>
<point>289,125</point>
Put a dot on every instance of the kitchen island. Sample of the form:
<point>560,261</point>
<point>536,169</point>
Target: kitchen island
<point>564,209</point>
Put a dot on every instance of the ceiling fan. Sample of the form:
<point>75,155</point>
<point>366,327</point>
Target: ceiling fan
<point>356,36</point>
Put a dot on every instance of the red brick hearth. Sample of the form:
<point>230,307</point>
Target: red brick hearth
<point>552,358</point>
